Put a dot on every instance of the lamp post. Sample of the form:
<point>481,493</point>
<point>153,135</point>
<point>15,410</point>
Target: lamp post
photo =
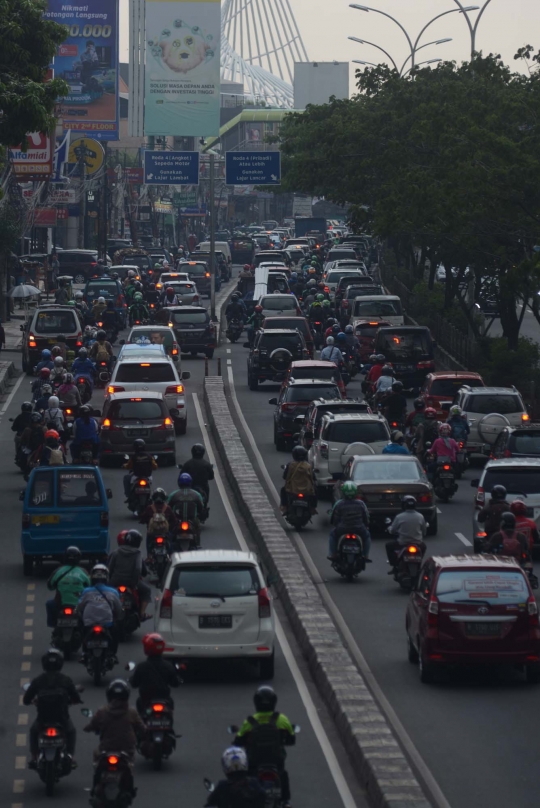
<point>473,29</point>
<point>435,42</point>
<point>373,45</point>
<point>427,62</point>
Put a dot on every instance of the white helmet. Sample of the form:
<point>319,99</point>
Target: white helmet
<point>329,340</point>
<point>101,300</point>
<point>455,410</point>
<point>234,759</point>
<point>78,295</point>
<point>58,361</point>
<point>53,402</point>
<point>88,329</point>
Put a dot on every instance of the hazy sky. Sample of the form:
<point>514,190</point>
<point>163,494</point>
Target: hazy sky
<point>505,26</point>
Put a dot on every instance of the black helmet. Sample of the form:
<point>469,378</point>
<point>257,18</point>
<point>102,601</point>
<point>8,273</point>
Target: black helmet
<point>498,492</point>
<point>85,410</point>
<point>26,406</point>
<point>265,699</point>
<point>37,417</point>
<point>419,403</point>
<point>72,556</point>
<point>52,660</point>
<point>83,353</point>
<point>99,574</point>
<point>159,495</point>
<point>508,521</point>
<point>397,387</point>
<point>408,503</point>
<point>118,690</point>
<point>101,335</point>
<point>138,286</point>
<point>299,453</point>
<point>139,445</point>
<point>133,538</point>
<point>151,287</point>
<point>197,451</point>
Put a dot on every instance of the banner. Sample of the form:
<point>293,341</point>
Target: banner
<point>182,84</point>
<point>36,163</point>
<point>88,61</point>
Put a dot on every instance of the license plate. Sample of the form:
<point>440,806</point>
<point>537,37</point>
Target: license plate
<point>141,490</point>
<point>160,723</point>
<point>412,559</point>
<point>46,519</point>
<point>215,621</point>
<point>483,629</point>
<point>51,741</point>
<point>446,476</point>
<point>97,644</point>
<point>67,622</point>
<point>138,433</point>
<point>350,548</point>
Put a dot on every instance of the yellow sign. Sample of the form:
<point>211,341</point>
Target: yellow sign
<point>89,151</point>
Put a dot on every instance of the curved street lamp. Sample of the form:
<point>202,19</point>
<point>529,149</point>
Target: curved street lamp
<point>365,42</point>
<point>472,28</point>
<point>427,62</point>
<point>435,42</point>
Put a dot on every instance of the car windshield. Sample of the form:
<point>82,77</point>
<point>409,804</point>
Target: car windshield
<point>183,288</point>
<point>336,255</point>
<point>188,317</point>
<point>214,581</point>
<point>270,342</point>
<point>489,585</point>
<point>364,291</point>
<point>449,387</point>
<point>140,260</point>
<point>279,303</point>
<point>149,337</point>
<point>517,480</point>
<point>377,308</point>
<point>500,403</point>
<point>102,289</point>
<point>78,489</point>
<point>336,275</point>
<point>527,443</point>
<point>356,432</point>
<point>197,269</point>
<point>391,471</point>
<point>137,409</point>
<point>56,322</point>
<point>145,372</point>
<point>398,346</point>
<point>311,392</point>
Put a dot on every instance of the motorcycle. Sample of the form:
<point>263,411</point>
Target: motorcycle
<point>113,780</point>
<point>98,657</point>
<point>234,330</point>
<point>103,373</point>
<point>317,329</point>
<point>186,537</point>
<point>139,495</point>
<point>444,479</point>
<point>158,557</point>
<point>159,741</point>
<point>129,599</point>
<point>407,566</point>
<point>462,459</point>
<point>86,455</point>
<point>67,634</point>
<point>85,389</point>
<point>298,512</point>
<point>350,561</point>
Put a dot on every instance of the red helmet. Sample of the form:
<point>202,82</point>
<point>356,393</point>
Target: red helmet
<point>121,536</point>
<point>52,433</point>
<point>258,309</point>
<point>45,373</point>
<point>169,291</point>
<point>153,644</point>
<point>430,413</point>
<point>247,267</point>
<point>518,508</point>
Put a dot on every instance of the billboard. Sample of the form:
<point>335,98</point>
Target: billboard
<point>317,82</point>
<point>182,83</point>
<point>88,61</point>
<point>36,163</point>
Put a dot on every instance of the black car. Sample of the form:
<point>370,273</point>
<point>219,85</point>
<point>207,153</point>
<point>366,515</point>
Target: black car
<point>272,256</point>
<point>519,441</point>
<point>410,350</point>
<point>80,264</point>
<point>194,330</point>
<point>199,273</point>
<point>312,420</point>
<point>292,404</point>
<point>272,353</point>
<point>42,328</point>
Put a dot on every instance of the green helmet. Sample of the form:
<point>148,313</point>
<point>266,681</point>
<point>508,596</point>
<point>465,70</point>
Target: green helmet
<point>71,303</point>
<point>314,262</point>
<point>158,266</point>
<point>316,304</point>
<point>349,490</point>
<point>137,297</point>
<point>319,297</point>
<point>325,303</point>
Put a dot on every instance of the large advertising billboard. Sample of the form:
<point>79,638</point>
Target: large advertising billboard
<point>182,82</point>
<point>88,61</point>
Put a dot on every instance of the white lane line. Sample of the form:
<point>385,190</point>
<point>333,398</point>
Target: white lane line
<point>439,511</point>
<point>415,756</point>
<point>311,710</point>
<point>229,361</point>
<point>463,539</point>
<point>10,397</point>
<point>228,350</point>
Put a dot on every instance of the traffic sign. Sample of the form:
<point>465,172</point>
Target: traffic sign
<point>89,151</point>
<point>171,168</point>
<point>253,168</point>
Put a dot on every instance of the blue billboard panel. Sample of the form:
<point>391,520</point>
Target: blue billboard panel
<point>171,168</point>
<point>253,168</point>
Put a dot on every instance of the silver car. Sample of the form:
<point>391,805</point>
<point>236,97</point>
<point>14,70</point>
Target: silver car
<point>186,292</point>
<point>131,415</point>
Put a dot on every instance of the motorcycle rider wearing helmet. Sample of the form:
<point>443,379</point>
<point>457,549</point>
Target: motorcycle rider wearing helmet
<point>46,361</point>
<point>384,383</point>
<point>238,789</point>
<point>57,373</point>
<point>349,515</point>
<point>254,322</point>
<point>98,308</point>
<point>152,294</point>
<point>85,429</point>
<point>43,401</point>
<point>331,353</point>
<point>458,423</point>
<point>158,505</point>
<point>408,527</point>
<point>199,469</point>
<point>509,540</point>
<point>59,350</point>
<point>141,464</point>
<point>524,524</point>
<point>54,415</point>
<point>129,288</point>
<point>126,567</point>
<point>169,298</point>
<point>329,325</point>
<point>22,421</point>
<point>111,319</point>
<point>428,431</point>
<point>396,446</point>
<point>83,366</point>
<point>80,304</point>
<point>62,692</point>
<point>374,374</point>
<point>33,438</point>
<point>351,339</point>
<point>99,604</point>
<point>250,736</point>
<point>299,479</point>
<point>443,446</point>
<point>235,310</point>
<point>138,311</point>
<point>101,350</point>
<point>155,676</point>
<point>186,502</point>
<point>395,404</point>
<point>68,393</point>
<point>67,582</point>
<point>52,452</point>
<point>414,418</point>
<point>490,515</point>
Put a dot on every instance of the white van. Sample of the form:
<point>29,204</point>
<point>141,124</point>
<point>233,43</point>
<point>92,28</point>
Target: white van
<point>220,246</point>
<point>269,280</point>
<point>386,308</point>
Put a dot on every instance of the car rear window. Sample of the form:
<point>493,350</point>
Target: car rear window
<point>335,275</point>
<point>517,480</point>
<point>196,269</point>
<point>78,489</point>
<point>336,255</point>
<point>367,330</point>
<point>270,342</point>
<point>318,373</point>
<point>145,372</point>
<point>101,289</point>
<point>211,581</point>
<point>378,308</point>
<point>482,586</point>
<point>150,337</point>
<point>503,404</point>
<point>183,288</point>
<point>287,322</point>
<point>391,471</point>
<point>278,303</point>
<point>138,260</point>
<point>56,322</point>
<point>310,392</point>
<point>364,291</point>
<point>527,443</point>
<point>449,387</point>
<point>188,317</point>
<point>405,345</point>
<point>356,432</point>
<point>137,409</point>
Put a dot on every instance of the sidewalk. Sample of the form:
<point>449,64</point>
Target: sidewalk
<point>13,334</point>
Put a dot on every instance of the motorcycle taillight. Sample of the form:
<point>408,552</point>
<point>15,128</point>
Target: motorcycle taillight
<point>158,708</point>
<point>51,732</point>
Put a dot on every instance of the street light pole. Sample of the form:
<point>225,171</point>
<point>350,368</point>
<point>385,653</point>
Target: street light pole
<point>397,22</point>
<point>435,42</point>
<point>373,45</point>
<point>473,29</point>
<point>212,240</point>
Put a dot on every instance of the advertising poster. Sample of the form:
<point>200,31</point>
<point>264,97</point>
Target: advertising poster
<point>88,61</point>
<point>36,163</point>
<point>182,83</point>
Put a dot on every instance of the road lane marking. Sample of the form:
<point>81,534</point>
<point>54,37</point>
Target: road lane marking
<point>18,786</point>
<point>10,397</point>
<point>22,719</point>
<point>20,739</point>
<point>318,729</point>
<point>29,621</point>
<point>20,762</point>
<point>28,635</point>
<point>29,610</point>
<point>228,350</point>
<point>27,650</point>
<point>377,691</point>
<point>229,361</point>
<point>463,539</point>
<point>30,598</point>
<point>31,587</point>
<point>25,667</point>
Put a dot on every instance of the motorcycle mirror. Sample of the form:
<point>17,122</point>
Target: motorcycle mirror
<point>232,730</point>
<point>297,728</point>
<point>26,686</point>
<point>209,786</point>
<point>86,712</point>
<point>186,374</point>
<point>475,483</point>
<point>387,521</point>
<point>282,466</point>
<point>21,495</point>
<point>126,457</point>
<point>130,666</point>
<point>109,493</point>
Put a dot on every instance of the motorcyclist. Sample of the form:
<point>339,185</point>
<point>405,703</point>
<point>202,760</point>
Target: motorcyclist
<point>254,322</point>
<point>458,423</point>
<point>111,320</point>
<point>331,353</point>
<point>169,297</point>
<point>490,515</point>
<point>408,527</point>
<point>22,421</point>
<point>68,583</point>
<point>349,515</point>
<point>54,415</point>
<point>99,604</point>
<point>329,325</point>
<point>351,339</point>
<point>81,305</point>
<point>101,350</point>
<point>443,446</point>
<point>235,310</point>
<point>238,789</point>
<point>129,288</point>
<point>155,676</point>
<point>263,746</point>
<point>200,470</point>
<point>83,366</point>
<point>59,349</point>
<point>396,447</point>
<point>414,419</point>
<point>384,383</point>
<point>68,392</point>
<point>126,566</point>
<point>52,690</point>
<point>52,452</point>
<point>428,431</point>
<point>138,311</point>
<point>33,437</point>
<point>152,294</point>
<point>299,479</point>
<point>395,404</point>
<point>509,540</point>
<point>158,517</point>
<point>376,369</point>
<point>186,502</point>
<point>140,465</point>
<point>46,361</point>
<point>524,524</point>
<point>57,373</point>
<point>85,429</point>
<point>89,336</point>
<point>98,308</point>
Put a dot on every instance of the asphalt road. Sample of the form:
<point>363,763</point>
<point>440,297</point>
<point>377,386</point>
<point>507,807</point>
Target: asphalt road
<point>476,733</point>
<point>321,774</point>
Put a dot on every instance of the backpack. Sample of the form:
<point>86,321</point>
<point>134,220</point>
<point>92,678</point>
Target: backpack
<point>158,524</point>
<point>511,545</point>
<point>98,610</point>
<point>56,457</point>
<point>142,466</point>
<point>264,743</point>
<point>102,354</point>
<point>299,477</point>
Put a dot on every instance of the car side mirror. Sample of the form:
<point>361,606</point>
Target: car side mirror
<point>21,327</point>
<point>186,374</point>
<point>109,493</point>
<point>22,494</point>
<point>273,401</point>
<point>475,483</point>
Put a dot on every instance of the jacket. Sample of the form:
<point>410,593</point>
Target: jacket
<point>69,582</point>
<point>154,678</point>
<point>69,394</point>
<point>185,502</point>
<point>239,791</point>
<point>126,566</point>
<point>445,447</point>
<point>490,515</point>
<point>395,449</point>
<point>118,726</point>
<point>460,427</point>
<point>85,430</point>
<point>99,605</point>
<point>332,354</point>
<point>351,514</point>
<point>53,681</point>
<point>498,538</point>
<point>97,346</point>
<point>20,423</point>
<point>141,465</point>
<point>408,526</point>
<point>200,471</point>
<point>83,367</point>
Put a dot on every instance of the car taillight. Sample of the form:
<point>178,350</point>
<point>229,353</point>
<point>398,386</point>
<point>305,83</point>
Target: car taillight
<point>433,613</point>
<point>104,518</point>
<point>446,467</point>
<point>525,417</point>
<point>532,609</point>
<point>32,341</point>
<point>480,498</point>
<point>324,450</point>
<point>115,388</point>
<point>288,407</point>
<point>174,351</point>
<point>430,365</point>
<point>184,526</point>
<point>300,496</point>
<point>105,424</point>
<point>264,603</point>
<point>174,389</point>
<point>165,609</point>
<point>462,444</point>
<point>68,610</point>
<point>507,453</point>
<point>424,499</point>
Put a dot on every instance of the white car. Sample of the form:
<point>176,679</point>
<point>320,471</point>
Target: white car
<point>274,305</point>
<point>488,411</point>
<point>215,605</point>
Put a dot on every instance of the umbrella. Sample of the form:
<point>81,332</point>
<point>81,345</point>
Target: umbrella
<point>24,290</point>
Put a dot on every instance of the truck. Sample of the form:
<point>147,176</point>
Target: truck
<point>309,226</point>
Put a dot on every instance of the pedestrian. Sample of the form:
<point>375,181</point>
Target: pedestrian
<point>55,269</point>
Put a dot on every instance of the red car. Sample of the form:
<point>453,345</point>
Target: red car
<point>365,331</point>
<point>473,610</point>
<point>440,388</point>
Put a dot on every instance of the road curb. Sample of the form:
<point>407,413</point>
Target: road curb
<point>368,737</point>
<point>7,370</point>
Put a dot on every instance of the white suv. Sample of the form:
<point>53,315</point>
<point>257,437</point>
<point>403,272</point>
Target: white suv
<point>488,411</point>
<point>215,605</point>
<point>341,436</point>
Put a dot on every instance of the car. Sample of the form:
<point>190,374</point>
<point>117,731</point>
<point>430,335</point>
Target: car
<point>215,604</point>
<point>143,370</point>
<point>472,610</point>
<point>440,388</point>
<point>342,435</point>
<point>126,417</point>
<point>171,277</point>
<point>221,265</point>
<point>186,292</point>
<point>378,307</point>
<point>333,277</point>
<point>311,421</point>
<point>155,335</point>
<point>114,244</point>
<point>199,273</point>
<point>366,331</point>
<point>355,280</point>
<point>292,403</point>
<point>122,270</point>
<point>277,303</point>
<point>339,253</point>
<point>315,369</point>
<point>517,441</point>
<point>410,351</point>
<point>300,323</point>
<point>383,480</point>
<point>221,246</point>
<point>194,330</point>
<point>43,327</point>
<point>272,353</point>
<point>110,289</point>
<point>80,264</point>
<point>521,478</point>
<point>266,256</point>
<point>488,411</point>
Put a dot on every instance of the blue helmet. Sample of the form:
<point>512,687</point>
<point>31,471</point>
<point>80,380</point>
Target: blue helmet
<point>46,354</point>
<point>184,480</point>
<point>341,335</point>
<point>294,276</point>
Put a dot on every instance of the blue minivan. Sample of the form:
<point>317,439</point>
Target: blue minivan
<point>64,505</point>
